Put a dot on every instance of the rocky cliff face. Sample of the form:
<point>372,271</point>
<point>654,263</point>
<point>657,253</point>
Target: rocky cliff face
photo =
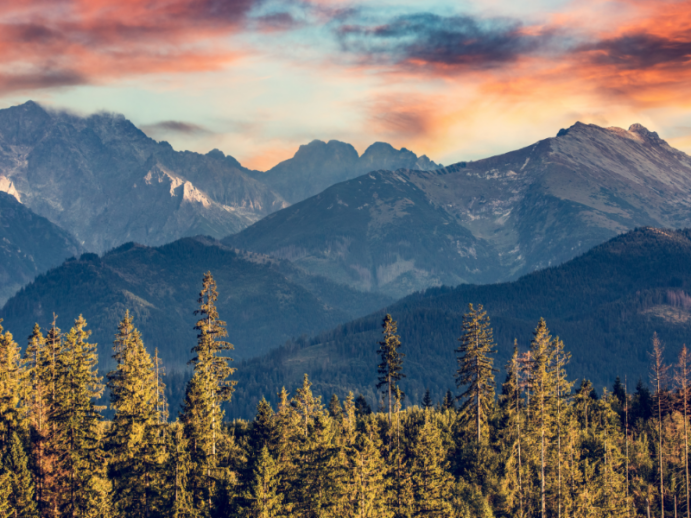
<point>486,221</point>
<point>106,182</point>
<point>29,245</point>
<point>319,165</point>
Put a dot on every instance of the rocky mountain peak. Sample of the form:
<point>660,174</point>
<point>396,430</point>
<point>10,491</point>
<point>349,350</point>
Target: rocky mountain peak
<point>644,132</point>
<point>23,124</point>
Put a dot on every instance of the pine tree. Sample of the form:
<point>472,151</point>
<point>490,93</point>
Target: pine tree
<point>511,407</point>
<point>335,410</point>
<point>178,466</point>
<point>36,405</point>
<point>391,367</point>
<point>5,492</point>
<point>49,477</point>
<point>659,377</point>
<point>76,419</point>
<point>135,439</point>
<point>475,367</point>
<point>265,500</point>
<point>16,463</point>
<point>541,384</point>
<point>427,400</point>
<point>208,389</point>
<point>367,475</point>
<point>562,391</point>
<point>682,378</point>
<point>11,374</point>
<point>315,484</point>
<point>431,482</point>
<point>448,403</point>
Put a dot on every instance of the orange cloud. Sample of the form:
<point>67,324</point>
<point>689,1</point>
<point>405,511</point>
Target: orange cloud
<point>47,44</point>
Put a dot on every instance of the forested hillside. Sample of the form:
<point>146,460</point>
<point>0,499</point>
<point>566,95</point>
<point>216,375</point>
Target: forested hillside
<point>29,245</point>
<point>265,301</point>
<point>544,447</point>
<point>605,305</point>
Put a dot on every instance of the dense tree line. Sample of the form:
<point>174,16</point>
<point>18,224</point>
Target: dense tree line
<point>542,447</point>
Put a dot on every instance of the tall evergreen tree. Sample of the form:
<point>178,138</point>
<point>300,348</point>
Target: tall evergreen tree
<point>78,455</point>
<point>431,482</point>
<point>135,440</point>
<point>16,462</point>
<point>475,370</point>
<point>208,389</point>
<point>48,475</point>
<point>391,367</point>
<point>427,400</point>
<point>367,475</point>
<point>178,466</point>
<point>265,500</point>
<point>11,374</point>
<point>511,406</point>
<point>681,376</point>
<point>659,372</point>
<point>541,384</point>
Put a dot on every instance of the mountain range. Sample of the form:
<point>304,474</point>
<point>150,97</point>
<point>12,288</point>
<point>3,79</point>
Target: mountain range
<point>102,180</point>
<point>605,305</point>
<point>396,232</point>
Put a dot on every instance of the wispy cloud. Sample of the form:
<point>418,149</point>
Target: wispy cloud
<point>167,127</point>
<point>452,41</point>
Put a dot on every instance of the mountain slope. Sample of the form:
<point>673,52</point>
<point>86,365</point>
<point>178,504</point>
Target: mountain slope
<point>485,221</point>
<point>605,305</point>
<point>264,301</point>
<point>107,183</point>
<point>319,165</point>
<point>29,245</point>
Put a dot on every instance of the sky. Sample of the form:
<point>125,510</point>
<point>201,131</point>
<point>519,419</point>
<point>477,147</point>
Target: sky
<point>455,80</point>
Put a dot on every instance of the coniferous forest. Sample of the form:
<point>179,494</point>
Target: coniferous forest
<point>515,440</point>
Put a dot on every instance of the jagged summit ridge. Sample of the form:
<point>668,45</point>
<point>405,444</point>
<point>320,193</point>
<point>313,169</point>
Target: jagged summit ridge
<point>488,220</point>
<point>94,176</point>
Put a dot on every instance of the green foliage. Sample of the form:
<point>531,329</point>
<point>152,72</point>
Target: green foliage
<point>547,450</point>
<point>135,442</point>
<point>475,374</point>
<point>16,465</point>
<point>391,367</point>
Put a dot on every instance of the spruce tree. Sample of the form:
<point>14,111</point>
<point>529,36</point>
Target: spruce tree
<point>49,475</point>
<point>367,475</point>
<point>681,376</point>
<point>430,480</point>
<point>542,387</point>
<point>79,459</point>
<point>448,403</point>
<point>391,367</point>
<point>264,498</point>
<point>659,377</point>
<point>135,439</point>
<point>510,402</point>
<point>6,510</point>
<point>16,462</point>
<point>206,392</point>
<point>11,374</point>
<point>475,370</point>
<point>178,465</point>
<point>427,400</point>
